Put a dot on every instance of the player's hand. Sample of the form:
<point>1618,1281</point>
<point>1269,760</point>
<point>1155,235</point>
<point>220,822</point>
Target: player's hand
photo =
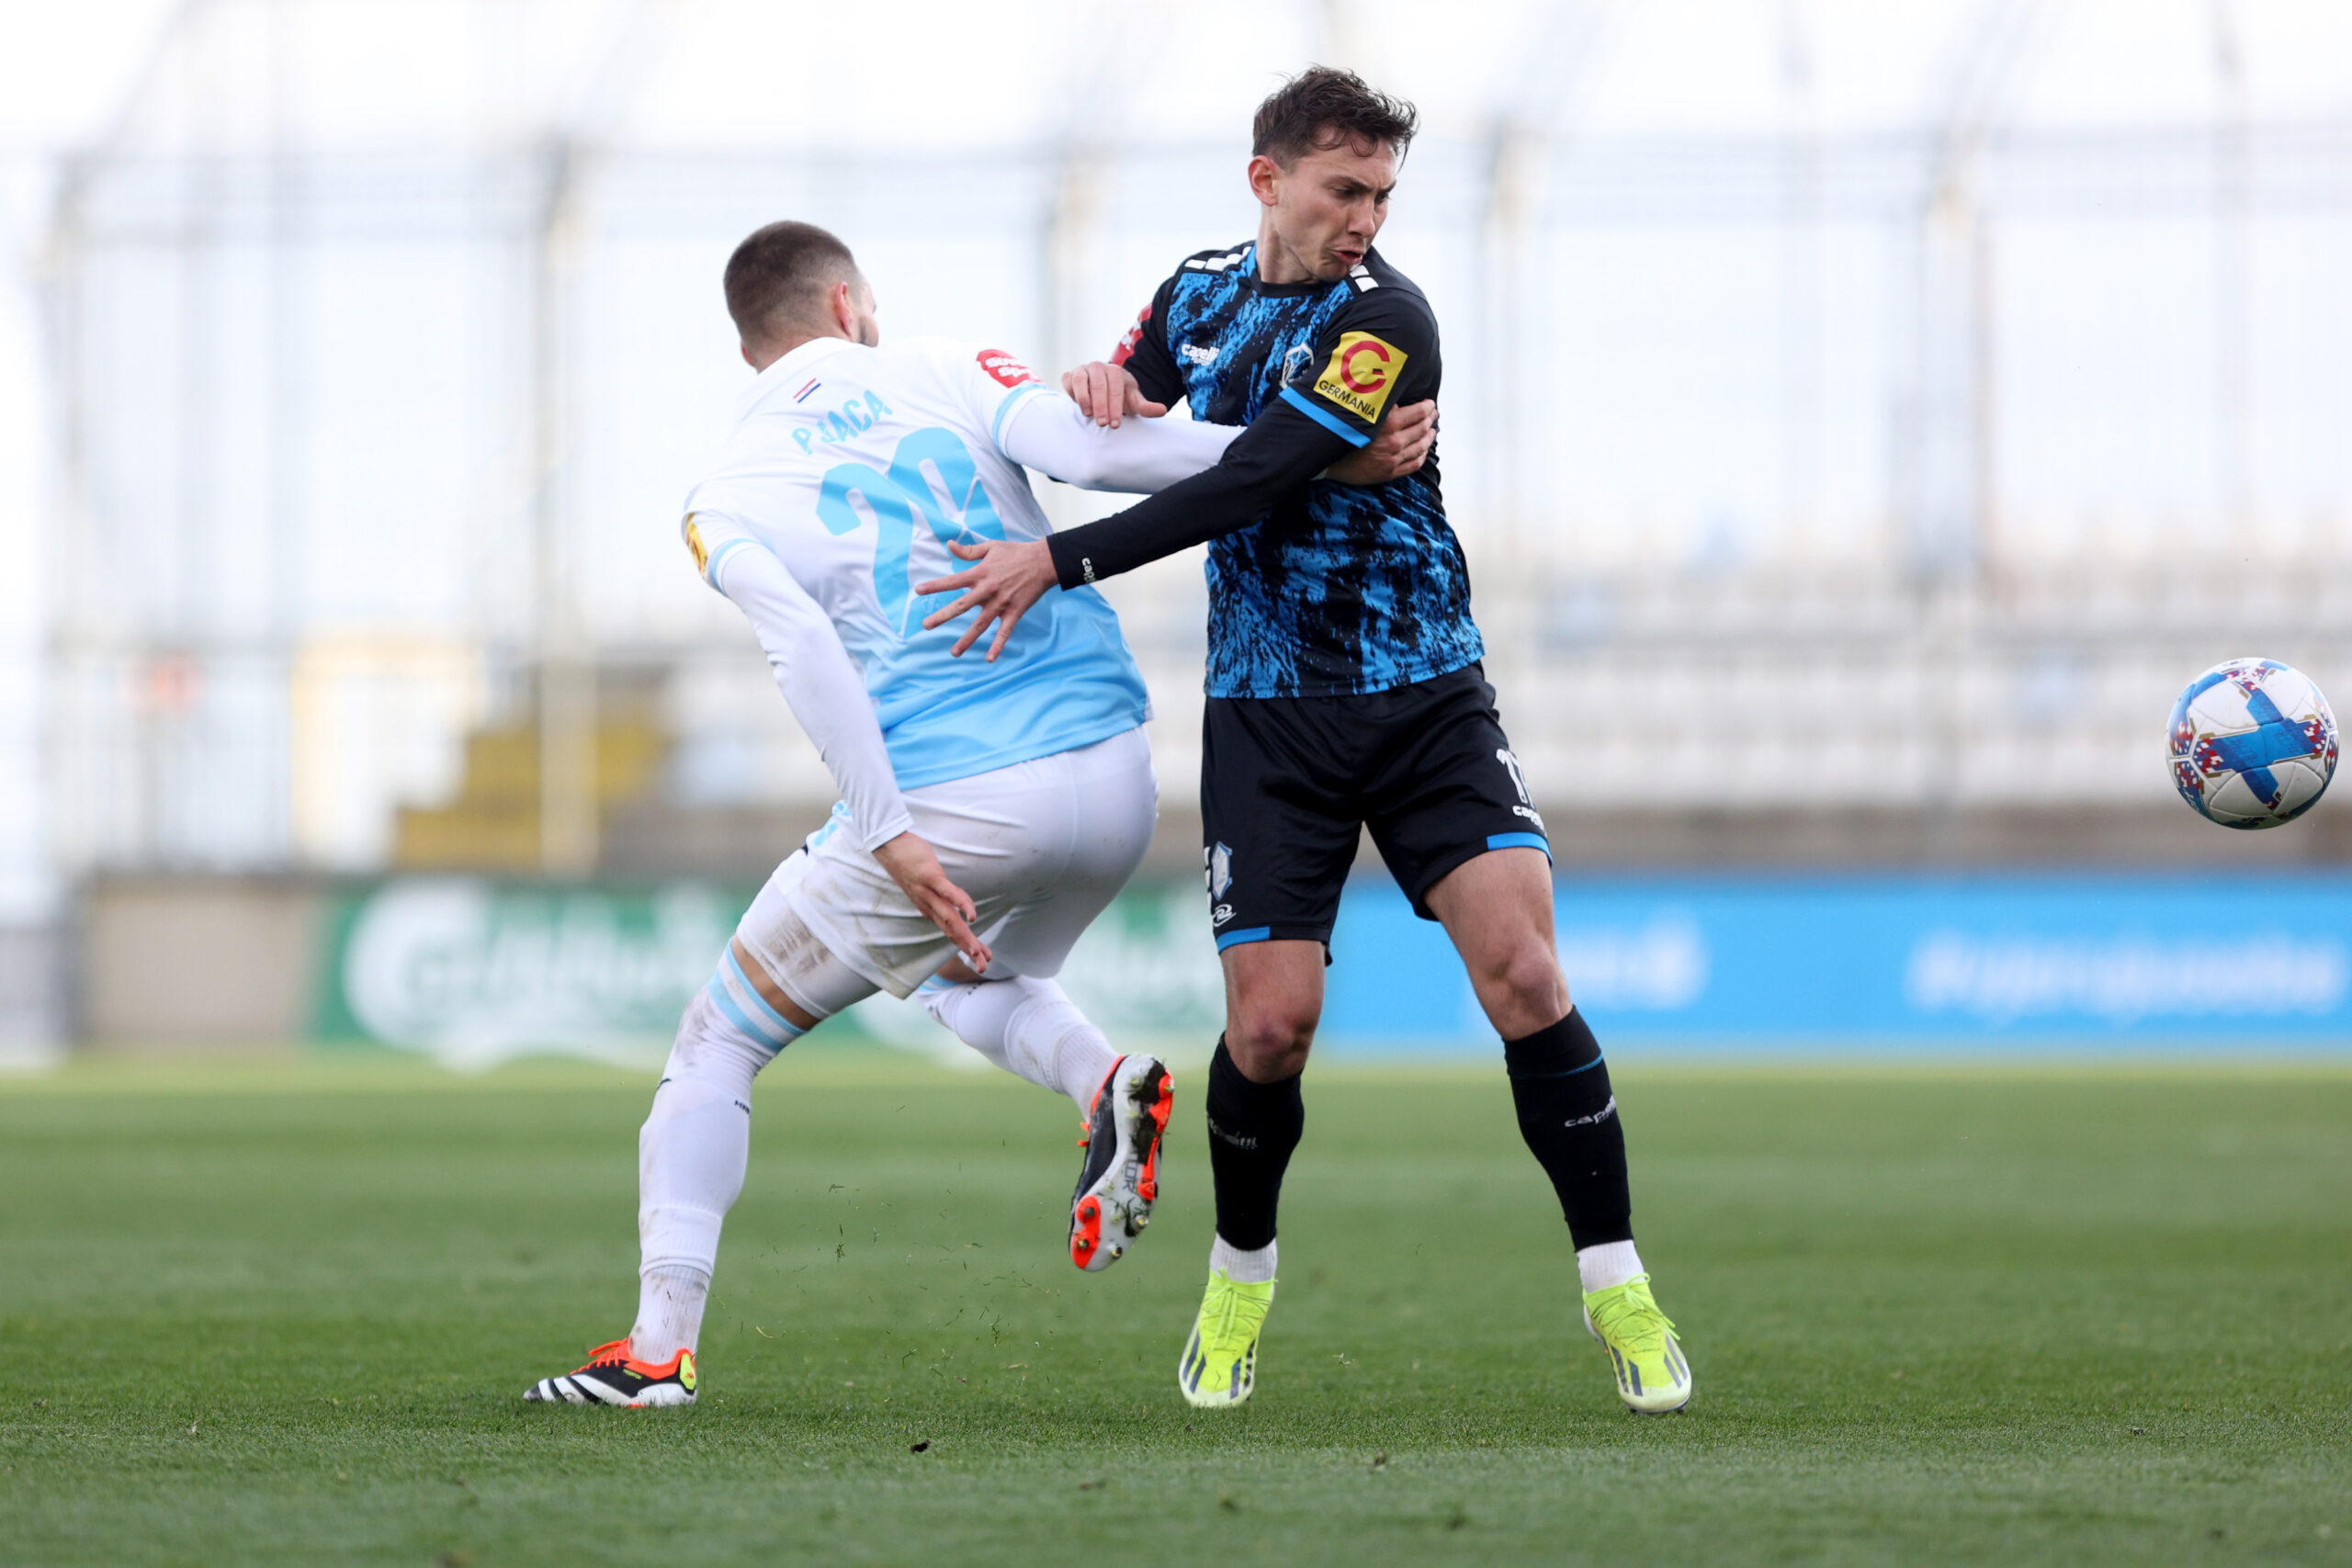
<point>920,877</point>
<point>1107,393</point>
<point>1010,576</point>
<point>1401,448</point>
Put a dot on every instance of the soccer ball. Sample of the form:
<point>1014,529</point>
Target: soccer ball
<point>2253,743</point>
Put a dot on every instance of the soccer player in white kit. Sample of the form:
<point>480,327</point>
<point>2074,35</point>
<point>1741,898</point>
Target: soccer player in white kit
<point>988,812</point>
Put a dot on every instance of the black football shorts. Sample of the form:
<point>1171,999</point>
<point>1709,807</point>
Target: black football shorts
<point>1287,784</point>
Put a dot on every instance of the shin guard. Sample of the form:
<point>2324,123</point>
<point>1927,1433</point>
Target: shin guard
<point>1253,1127</point>
<point>1567,1113</point>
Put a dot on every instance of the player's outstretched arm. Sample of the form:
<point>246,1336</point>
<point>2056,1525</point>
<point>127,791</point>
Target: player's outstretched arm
<point>1100,391</point>
<point>1284,449</point>
<point>1053,436</point>
<point>827,694</point>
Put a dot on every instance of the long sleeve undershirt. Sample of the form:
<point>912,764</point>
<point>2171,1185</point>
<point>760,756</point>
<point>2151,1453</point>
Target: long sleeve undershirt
<point>1281,451</point>
<point>1046,432</point>
<point>821,684</point>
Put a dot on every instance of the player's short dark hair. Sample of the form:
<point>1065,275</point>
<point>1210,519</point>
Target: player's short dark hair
<point>1322,107</point>
<point>780,274</point>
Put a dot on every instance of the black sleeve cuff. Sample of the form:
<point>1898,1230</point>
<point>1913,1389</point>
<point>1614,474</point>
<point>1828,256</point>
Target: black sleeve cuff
<point>1070,564</point>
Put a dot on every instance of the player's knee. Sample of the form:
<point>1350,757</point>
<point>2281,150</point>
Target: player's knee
<point>1523,983</point>
<point>1270,1044</point>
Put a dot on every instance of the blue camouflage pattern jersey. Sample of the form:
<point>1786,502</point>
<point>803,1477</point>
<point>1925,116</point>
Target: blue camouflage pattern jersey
<point>1338,589</point>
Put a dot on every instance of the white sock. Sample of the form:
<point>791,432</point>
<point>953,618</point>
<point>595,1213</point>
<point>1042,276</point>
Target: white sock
<point>691,1156</point>
<point>669,1312</point>
<point>1610,1263</point>
<point>1252,1268</point>
<point>1028,1028</point>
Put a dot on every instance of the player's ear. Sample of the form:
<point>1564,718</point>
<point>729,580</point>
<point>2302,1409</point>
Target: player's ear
<point>1265,179</point>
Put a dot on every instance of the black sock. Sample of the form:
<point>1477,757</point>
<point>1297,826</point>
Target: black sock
<point>1568,1116</point>
<point>1253,1127</point>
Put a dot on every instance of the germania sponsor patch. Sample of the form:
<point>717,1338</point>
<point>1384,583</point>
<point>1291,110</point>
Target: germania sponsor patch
<point>1362,371</point>
<point>694,543</point>
<point>1006,371</point>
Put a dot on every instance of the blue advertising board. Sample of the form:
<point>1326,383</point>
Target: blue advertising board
<point>2240,965</point>
<point>2227,966</point>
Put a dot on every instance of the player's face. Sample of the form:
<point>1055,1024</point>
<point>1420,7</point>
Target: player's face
<point>1326,209</point>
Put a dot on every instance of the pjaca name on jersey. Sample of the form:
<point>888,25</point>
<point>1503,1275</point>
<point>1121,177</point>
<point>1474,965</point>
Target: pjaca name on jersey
<point>853,419</point>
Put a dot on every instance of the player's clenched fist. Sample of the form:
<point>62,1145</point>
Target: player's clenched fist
<point>1106,393</point>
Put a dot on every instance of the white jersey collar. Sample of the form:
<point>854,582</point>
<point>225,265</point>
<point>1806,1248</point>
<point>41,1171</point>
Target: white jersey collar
<point>790,371</point>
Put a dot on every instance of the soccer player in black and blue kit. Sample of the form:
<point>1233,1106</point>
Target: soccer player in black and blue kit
<point>1344,692</point>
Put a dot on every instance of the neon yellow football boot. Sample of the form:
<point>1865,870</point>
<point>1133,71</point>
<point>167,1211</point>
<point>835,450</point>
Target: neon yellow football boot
<point>1652,1376</point>
<point>1220,1364</point>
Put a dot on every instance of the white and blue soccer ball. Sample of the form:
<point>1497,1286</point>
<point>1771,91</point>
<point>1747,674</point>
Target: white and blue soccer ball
<point>2253,743</point>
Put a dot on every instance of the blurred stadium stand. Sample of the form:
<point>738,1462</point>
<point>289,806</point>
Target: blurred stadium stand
<point>1859,428</point>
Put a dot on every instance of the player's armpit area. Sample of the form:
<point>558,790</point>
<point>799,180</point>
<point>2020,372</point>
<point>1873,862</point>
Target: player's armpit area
<point>1282,449</point>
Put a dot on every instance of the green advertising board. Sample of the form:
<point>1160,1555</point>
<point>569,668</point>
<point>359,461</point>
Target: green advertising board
<point>475,971</point>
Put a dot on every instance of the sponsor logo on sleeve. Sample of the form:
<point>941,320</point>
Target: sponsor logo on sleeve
<point>693,542</point>
<point>1362,371</point>
<point>1005,370</point>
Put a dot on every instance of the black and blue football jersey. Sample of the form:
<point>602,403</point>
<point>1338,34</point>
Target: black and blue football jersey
<point>1316,588</point>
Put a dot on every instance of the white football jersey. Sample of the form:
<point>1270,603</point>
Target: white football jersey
<point>854,467</point>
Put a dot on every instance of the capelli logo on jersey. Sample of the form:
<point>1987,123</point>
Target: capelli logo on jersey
<point>1362,372</point>
<point>1005,370</point>
<point>1203,357</point>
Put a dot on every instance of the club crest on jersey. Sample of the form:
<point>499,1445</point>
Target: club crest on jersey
<point>1217,869</point>
<point>1362,371</point>
<point>693,542</point>
<point>1005,370</point>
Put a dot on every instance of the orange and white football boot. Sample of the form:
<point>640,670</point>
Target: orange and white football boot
<point>1118,1180</point>
<point>615,1377</point>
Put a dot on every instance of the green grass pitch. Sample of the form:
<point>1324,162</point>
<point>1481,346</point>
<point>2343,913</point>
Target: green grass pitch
<point>285,1315</point>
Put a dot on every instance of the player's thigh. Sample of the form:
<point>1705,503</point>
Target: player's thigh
<point>1279,824</point>
<point>858,913</point>
<point>1105,800</point>
<point>787,960</point>
<point>1449,788</point>
<point>1497,908</point>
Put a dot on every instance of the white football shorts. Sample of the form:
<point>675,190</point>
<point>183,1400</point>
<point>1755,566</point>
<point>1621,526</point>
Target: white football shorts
<point>1042,847</point>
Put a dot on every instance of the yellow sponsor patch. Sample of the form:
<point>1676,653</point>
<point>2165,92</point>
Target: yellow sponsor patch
<point>694,543</point>
<point>1363,370</point>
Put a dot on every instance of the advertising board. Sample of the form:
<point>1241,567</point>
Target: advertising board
<point>473,971</point>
